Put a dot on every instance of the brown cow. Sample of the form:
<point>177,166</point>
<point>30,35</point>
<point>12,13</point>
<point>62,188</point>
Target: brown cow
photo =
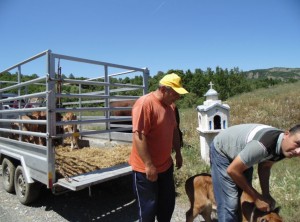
<point>122,103</point>
<point>251,213</point>
<point>24,127</point>
<point>69,116</point>
<point>71,128</point>
<point>32,128</point>
<point>38,115</point>
<point>199,190</point>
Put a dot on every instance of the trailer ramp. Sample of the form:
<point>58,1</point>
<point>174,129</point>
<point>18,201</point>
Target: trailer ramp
<point>82,181</point>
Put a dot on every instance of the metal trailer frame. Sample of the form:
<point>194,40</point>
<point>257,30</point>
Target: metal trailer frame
<point>39,161</point>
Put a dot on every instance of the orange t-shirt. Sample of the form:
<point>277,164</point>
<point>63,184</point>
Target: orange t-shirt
<point>157,122</point>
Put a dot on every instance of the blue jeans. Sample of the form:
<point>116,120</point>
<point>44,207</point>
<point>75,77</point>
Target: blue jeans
<point>155,199</point>
<point>227,193</point>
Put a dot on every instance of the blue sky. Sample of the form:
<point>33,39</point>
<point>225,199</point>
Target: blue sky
<point>160,35</point>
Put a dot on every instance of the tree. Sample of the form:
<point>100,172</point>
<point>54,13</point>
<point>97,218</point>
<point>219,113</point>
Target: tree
<point>71,76</point>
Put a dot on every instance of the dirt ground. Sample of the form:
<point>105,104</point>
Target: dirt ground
<point>78,161</point>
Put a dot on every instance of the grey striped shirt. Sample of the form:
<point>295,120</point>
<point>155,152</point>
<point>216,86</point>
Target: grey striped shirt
<point>254,143</point>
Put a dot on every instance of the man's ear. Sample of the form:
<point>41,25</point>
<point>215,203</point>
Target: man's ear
<point>286,133</point>
<point>163,89</point>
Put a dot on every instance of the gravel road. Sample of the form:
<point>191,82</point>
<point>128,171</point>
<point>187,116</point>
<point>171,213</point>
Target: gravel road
<point>111,201</point>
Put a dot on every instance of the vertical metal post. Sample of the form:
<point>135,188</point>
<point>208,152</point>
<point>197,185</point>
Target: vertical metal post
<point>19,89</point>
<point>145,79</point>
<point>80,106</point>
<point>51,117</point>
<point>107,101</point>
<point>19,102</point>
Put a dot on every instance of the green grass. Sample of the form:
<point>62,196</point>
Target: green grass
<point>278,106</point>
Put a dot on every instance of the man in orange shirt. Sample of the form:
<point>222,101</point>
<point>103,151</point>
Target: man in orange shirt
<point>155,134</point>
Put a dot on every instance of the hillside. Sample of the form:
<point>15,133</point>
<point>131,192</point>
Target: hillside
<point>274,73</point>
<point>277,106</point>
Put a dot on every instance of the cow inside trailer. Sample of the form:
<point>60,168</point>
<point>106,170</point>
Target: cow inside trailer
<point>89,99</point>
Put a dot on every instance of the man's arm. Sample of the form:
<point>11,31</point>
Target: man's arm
<point>264,172</point>
<point>140,142</point>
<point>235,171</point>
<point>177,148</point>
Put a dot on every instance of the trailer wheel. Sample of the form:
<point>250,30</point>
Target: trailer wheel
<point>26,192</point>
<point>8,172</point>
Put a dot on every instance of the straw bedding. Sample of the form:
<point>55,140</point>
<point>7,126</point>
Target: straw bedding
<point>77,161</point>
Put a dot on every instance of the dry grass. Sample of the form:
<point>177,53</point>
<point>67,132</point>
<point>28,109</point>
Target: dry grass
<point>278,106</point>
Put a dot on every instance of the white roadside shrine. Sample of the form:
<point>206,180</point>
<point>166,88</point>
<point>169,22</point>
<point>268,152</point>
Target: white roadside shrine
<point>213,116</point>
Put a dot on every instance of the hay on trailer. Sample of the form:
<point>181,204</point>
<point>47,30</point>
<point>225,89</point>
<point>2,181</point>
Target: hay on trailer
<point>77,161</point>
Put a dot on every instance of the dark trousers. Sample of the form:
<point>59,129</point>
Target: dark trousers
<point>155,199</point>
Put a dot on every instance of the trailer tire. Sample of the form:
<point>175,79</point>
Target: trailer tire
<point>8,172</point>
<point>26,192</point>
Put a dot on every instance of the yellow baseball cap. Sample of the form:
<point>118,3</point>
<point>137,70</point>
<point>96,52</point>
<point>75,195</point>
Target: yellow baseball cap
<point>174,81</point>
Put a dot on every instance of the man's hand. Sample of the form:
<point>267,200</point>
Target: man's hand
<point>151,173</point>
<point>262,205</point>
<point>179,160</point>
<point>140,141</point>
<point>270,200</point>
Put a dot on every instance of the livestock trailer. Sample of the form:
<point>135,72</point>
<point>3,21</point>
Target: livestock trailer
<point>27,165</point>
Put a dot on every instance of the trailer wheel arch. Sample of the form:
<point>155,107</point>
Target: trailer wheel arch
<point>15,161</point>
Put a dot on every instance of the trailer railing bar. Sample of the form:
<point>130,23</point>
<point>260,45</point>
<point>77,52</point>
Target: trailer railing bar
<point>24,84</point>
<point>29,133</point>
<point>72,81</point>
<point>42,94</point>
<point>72,58</point>
<point>62,110</point>
<point>40,122</point>
<point>73,122</point>
<point>86,133</point>
<point>25,110</point>
<point>73,95</point>
<point>114,74</point>
<point>27,60</point>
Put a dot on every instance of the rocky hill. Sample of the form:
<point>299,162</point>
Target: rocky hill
<point>274,73</point>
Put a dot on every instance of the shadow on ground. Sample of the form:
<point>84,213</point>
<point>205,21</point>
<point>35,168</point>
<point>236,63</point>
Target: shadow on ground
<point>110,201</point>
